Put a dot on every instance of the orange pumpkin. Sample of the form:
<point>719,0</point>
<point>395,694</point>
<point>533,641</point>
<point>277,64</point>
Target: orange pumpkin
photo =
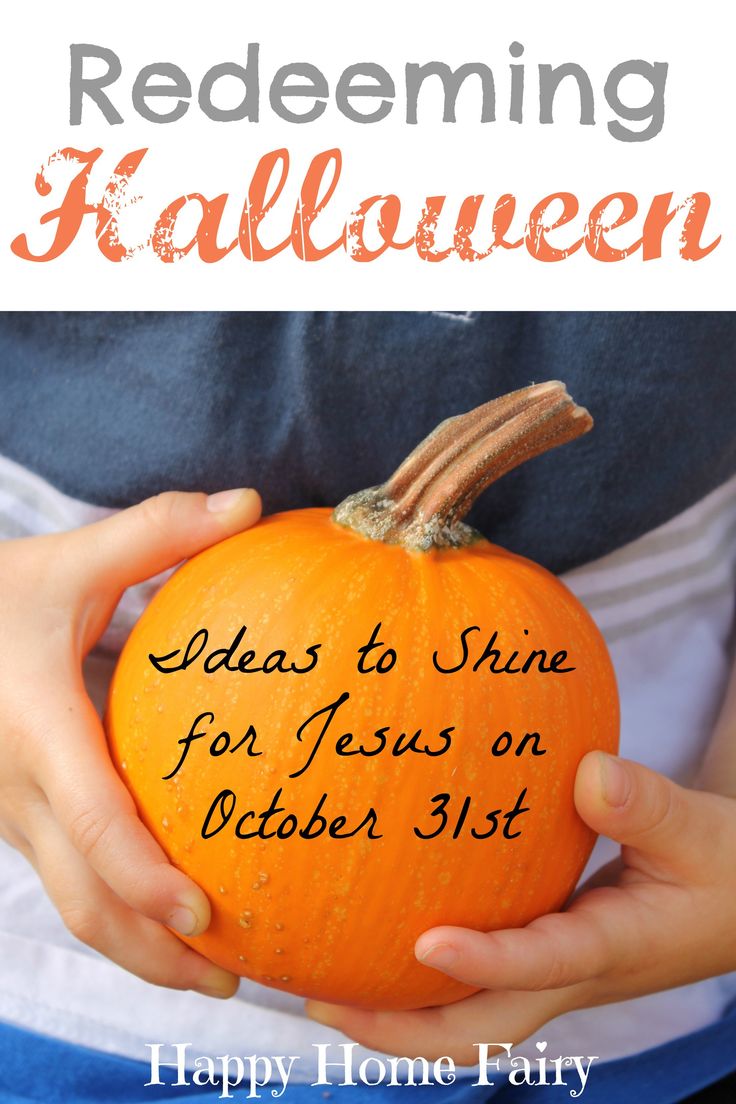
<point>332,814</point>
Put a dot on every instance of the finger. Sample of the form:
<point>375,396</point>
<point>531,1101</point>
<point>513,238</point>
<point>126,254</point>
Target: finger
<point>553,952</point>
<point>146,539</point>
<point>95,916</point>
<point>95,810</point>
<point>644,811</point>
<point>413,1034</point>
<point>452,1030</point>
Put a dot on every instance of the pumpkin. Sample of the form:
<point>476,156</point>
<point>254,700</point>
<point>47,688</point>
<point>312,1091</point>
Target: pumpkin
<point>349,726</point>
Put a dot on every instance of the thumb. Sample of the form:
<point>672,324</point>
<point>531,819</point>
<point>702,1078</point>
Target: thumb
<point>158,533</point>
<point>642,810</point>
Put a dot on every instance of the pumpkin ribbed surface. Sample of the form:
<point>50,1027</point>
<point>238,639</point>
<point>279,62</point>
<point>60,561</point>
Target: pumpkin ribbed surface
<point>336,918</point>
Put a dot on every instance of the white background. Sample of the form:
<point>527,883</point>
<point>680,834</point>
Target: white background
<point>694,152</point>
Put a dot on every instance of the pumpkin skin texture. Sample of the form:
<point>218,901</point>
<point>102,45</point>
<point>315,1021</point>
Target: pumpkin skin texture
<point>336,919</point>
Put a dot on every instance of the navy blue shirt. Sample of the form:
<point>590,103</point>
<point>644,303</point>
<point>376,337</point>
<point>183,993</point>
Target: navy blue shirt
<point>308,407</point>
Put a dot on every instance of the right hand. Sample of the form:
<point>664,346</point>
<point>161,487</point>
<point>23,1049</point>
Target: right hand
<point>61,802</point>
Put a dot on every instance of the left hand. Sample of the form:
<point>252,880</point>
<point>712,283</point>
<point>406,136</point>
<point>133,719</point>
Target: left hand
<point>660,916</point>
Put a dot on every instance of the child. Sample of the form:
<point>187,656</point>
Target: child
<point>101,411</point>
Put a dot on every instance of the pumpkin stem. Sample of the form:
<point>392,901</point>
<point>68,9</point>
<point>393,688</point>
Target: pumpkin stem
<point>423,503</point>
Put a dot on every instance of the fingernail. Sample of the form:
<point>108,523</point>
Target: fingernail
<point>323,1013</point>
<point>183,920</point>
<point>222,501</point>
<point>218,983</point>
<point>615,781</point>
<point>439,955</point>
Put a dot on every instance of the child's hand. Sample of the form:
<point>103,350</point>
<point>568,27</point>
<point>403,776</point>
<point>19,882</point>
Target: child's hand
<point>663,915</point>
<point>61,802</point>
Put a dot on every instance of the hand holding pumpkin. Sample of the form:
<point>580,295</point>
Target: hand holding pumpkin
<point>61,803</point>
<point>661,916</point>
